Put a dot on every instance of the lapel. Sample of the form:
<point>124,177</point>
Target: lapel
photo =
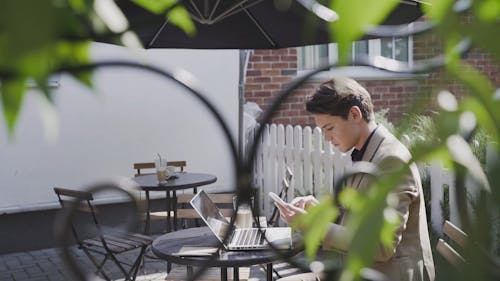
<point>373,146</point>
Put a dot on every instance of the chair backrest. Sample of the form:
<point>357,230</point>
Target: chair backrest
<point>68,197</point>
<point>223,200</point>
<point>458,239</point>
<point>283,194</point>
<point>151,165</point>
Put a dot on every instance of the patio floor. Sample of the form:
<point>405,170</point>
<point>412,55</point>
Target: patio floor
<point>47,265</point>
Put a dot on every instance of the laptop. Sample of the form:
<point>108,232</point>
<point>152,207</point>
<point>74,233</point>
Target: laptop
<point>240,238</point>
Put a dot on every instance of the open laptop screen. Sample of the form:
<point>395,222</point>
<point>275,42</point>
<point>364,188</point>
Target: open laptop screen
<point>211,214</point>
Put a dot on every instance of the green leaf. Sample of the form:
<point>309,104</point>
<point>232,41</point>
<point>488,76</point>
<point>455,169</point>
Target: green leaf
<point>12,92</point>
<point>85,77</point>
<point>74,54</point>
<point>180,17</point>
<point>481,88</point>
<point>43,84</point>
<point>352,25</point>
<point>155,6</point>
<point>472,104</point>
<point>315,224</point>
<point>488,10</point>
<point>481,36</point>
<point>438,9</point>
<point>462,154</point>
<point>350,199</point>
<point>390,223</point>
<point>78,5</point>
<point>370,219</point>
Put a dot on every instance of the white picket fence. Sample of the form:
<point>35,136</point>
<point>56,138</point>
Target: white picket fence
<point>316,165</point>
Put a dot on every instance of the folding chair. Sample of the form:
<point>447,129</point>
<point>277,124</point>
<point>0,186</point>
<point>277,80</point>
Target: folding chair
<point>151,165</point>
<point>456,237</point>
<point>106,245</point>
<point>185,212</point>
<point>156,215</point>
<point>283,268</point>
<point>283,194</point>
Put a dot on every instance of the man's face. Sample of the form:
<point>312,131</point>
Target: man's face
<point>343,134</point>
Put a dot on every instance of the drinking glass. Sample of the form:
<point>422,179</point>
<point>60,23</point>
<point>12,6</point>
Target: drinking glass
<point>161,169</point>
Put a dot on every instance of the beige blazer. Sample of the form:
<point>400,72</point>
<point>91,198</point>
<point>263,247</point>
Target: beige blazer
<point>410,257</point>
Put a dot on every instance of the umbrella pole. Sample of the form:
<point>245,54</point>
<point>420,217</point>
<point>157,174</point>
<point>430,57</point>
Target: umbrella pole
<point>244,58</point>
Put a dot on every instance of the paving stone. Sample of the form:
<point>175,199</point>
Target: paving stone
<point>47,265</point>
<point>39,278</point>
<point>33,270</point>
<point>20,275</point>
<point>44,264</point>
<point>5,276</point>
<point>13,263</point>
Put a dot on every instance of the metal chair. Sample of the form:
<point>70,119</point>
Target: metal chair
<point>283,194</point>
<point>95,239</point>
<point>185,212</point>
<point>156,215</point>
<point>151,165</point>
<point>457,237</point>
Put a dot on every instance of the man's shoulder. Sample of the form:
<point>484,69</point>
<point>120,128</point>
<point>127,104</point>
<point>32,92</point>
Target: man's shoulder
<point>391,147</point>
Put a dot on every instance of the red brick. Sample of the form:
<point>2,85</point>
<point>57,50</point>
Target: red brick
<point>280,79</point>
<point>251,87</point>
<point>272,86</point>
<point>270,72</point>
<point>262,79</point>
<point>288,58</point>
<point>254,72</point>
<point>261,65</point>
<point>280,65</point>
<point>262,94</point>
<point>271,58</point>
<point>255,58</point>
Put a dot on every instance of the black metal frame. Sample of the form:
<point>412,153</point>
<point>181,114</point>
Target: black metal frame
<point>75,199</point>
<point>243,167</point>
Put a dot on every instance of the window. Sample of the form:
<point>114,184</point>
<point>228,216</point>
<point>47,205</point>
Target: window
<point>398,48</point>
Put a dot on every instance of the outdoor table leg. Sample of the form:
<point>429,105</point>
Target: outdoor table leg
<point>269,272</point>
<point>148,209</point>
<point>236,273</point>
<point>190,272</point>
<point>174,208</point>
<point>169,208</point>
<point>223,273</point>
<point>196,221</point>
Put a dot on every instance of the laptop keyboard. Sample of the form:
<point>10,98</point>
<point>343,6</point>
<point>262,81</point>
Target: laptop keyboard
<point>251,236</point>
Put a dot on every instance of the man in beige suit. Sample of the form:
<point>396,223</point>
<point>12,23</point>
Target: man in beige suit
<point>344,111</point>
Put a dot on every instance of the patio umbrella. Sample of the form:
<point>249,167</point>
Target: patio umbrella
<point>249,24</point>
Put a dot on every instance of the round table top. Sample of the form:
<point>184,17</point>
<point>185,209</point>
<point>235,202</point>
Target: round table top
<point>182,180</point>
<point>167,247</point>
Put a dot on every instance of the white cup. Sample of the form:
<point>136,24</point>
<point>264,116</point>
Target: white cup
<point>170,171</point>
<point>161,169</point>
<point>244,217</point>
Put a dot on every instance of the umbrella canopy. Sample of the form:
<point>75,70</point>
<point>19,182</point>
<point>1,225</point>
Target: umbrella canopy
<point>257,24</point>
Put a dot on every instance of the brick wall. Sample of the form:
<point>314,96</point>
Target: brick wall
<point>269,70</point>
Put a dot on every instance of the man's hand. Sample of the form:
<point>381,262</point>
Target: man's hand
<point>289,212</point>
<point>305,202</point>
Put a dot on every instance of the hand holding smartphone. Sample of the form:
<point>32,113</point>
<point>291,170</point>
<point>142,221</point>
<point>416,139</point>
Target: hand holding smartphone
<point>276,198</point>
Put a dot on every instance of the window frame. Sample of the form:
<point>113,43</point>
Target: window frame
<point>308,59</point>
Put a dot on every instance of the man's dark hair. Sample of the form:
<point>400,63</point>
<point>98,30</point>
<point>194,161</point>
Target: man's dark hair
<point>337,96</point>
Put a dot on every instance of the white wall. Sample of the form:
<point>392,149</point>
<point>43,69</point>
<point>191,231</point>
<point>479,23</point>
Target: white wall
<point>129,117</point>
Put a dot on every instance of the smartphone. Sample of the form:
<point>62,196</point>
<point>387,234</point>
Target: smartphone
<point>276,198</point>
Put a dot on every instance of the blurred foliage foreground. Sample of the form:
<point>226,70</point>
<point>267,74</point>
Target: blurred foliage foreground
<point>40,37</point>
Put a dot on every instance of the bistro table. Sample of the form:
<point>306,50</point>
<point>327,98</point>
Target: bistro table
<point>168,247</point>
<point>179,181</point>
